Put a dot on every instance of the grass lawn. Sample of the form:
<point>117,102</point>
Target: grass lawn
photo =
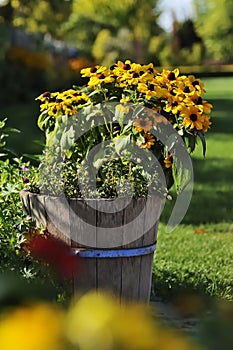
<point>199,253</point>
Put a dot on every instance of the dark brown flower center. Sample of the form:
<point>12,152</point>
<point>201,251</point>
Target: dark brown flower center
<point>151,87</point>
<point>174,104</point>
<point>102,76</point>
<point>195,82</point>
<point>193,117</point>
<point>93,69</point>
<point>135,75</point>
<point>171,76</point>
<point>142,123</point>
<point>186,89</point>
<point>126,66</point>
<point>198,100</point>
<point>46,94</point>
<point>81,101</point>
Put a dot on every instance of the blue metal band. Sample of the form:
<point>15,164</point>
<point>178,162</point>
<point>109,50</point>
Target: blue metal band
<point>115,253</point>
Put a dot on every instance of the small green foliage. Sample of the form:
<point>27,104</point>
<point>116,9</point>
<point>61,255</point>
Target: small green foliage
<point>14,175</point>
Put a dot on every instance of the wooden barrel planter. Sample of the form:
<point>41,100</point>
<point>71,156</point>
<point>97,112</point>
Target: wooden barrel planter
<point>117,245</point>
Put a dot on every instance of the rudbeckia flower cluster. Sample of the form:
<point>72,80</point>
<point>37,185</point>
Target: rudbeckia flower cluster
<point>177,97</point>
<point>142,100</point>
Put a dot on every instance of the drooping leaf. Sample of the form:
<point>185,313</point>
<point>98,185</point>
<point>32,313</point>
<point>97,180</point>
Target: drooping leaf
<point>43,120</point>
<point>121,143</point>
<point>200,133</point>
<point>181,175</point>
<point>36,157</point>
<point>12,130</point>
<point>100,158</point>
<point>67,138</point>
<point>191,142</point>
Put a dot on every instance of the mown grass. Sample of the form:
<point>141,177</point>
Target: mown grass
<point>194,259</point>
<point>198,254</point>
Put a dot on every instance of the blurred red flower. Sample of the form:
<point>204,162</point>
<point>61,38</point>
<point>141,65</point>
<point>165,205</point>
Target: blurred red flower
<point>56,253</point>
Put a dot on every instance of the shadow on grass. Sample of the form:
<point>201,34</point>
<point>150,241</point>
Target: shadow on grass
<point>222,115</point>
<point>212,199</point>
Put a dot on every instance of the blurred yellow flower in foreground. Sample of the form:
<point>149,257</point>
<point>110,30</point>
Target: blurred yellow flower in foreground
<point>36,327</point>
<point>98,322</point>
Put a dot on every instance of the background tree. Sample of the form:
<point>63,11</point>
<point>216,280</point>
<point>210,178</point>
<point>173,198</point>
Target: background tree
<point>43,16</point>
<point>183,46</point>
<point>214,23</point>
<point>138,18</point>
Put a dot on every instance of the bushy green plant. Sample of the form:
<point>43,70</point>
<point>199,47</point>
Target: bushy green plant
<point>14,173</point>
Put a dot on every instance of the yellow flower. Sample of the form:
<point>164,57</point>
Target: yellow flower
<point>168,161</point>
<point>197,84</point>
<point>66,102</point>
<point>174,107</point>
<point>98,79</point>
<point>142,124</point>
<point>155,116</point>
<point>206,123</point>
<point>89,322</point>
<point>125,99</point>
<point>88,72</point>
<point>149,140</point>
<point>121,109</point>
<point>192,118</point>
<point>204,106</point>
<point>169,77</point>
<point>151,89</point>
<point>37,327</point>
<point>99,321</point>
<point>122,66</point>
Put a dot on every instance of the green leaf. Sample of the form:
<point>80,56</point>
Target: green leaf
<point>140,138</point>
<point>3,123</point>
<point>180,174</point>
<point>42,120</point>
<point>121,143</point>
<point>191,142</point>
<point>17,131</point>
<point>202,137</point>
<point>67,138</point>
<point>100,158</point>
<point>127,127</point>
<point>36,157</point>
<point>39,142</point>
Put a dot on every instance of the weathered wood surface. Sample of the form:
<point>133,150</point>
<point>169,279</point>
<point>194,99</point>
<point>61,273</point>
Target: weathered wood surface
<point>103,224</point>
